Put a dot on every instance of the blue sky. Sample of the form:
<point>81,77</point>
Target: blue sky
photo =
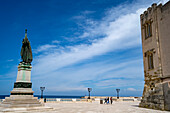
<point>76,44</point>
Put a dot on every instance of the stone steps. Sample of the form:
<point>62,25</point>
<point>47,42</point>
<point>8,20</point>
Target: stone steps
<point>21,101</point>
<point>20,105</point>
<point>30,101</point>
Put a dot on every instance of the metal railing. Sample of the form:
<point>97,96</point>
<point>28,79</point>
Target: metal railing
<point>65,100</point>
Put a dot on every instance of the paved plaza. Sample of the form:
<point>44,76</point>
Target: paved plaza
<point>116,107</point>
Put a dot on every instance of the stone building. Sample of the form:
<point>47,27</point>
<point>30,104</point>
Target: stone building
<point>155,30</point>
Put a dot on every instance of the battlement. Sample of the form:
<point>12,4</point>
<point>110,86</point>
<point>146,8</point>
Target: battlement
<point>148,14</point>
<point>154,7</point>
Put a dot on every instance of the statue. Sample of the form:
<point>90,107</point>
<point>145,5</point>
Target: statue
<point>26,52</point>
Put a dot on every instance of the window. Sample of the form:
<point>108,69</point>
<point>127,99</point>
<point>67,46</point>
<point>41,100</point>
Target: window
<point>148,30</point>
<point>150,61</point>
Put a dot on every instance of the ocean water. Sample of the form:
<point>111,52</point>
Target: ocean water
<point>47,96</point>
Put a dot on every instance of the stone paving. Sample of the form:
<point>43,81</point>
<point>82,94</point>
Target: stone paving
<point>116,107</point>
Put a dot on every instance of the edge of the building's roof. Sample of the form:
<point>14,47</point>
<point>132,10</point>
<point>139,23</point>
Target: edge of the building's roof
<point>167,3</point>
<point>166,6</point>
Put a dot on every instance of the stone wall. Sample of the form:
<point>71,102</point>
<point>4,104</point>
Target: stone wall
<point>166,90</point>
<point>153,92</point>
<point>156,94</point>
<point>164,32</point>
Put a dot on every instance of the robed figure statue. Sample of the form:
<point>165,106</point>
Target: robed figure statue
<point>26,52</point>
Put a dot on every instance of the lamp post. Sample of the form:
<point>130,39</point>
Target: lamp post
<point>89,90</point>
<point>117,93</point>
<point>42,89</point>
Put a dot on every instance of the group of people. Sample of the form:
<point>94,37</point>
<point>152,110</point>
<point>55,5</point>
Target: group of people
<point>106,100</point>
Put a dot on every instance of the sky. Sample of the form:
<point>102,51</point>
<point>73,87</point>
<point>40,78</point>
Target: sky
<point>75,44</point>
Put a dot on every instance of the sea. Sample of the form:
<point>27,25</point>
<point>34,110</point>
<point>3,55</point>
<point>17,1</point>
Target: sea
<point>47,96</point>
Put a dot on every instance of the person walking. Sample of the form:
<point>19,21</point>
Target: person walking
<point>111,100</point>
<point>107,100</point>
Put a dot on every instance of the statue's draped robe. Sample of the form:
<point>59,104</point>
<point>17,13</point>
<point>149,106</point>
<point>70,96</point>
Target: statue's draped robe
<point>26,52</point>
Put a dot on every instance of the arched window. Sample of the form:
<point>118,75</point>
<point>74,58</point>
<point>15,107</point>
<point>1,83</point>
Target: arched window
<point>148,29</point>
<point>150,61</point>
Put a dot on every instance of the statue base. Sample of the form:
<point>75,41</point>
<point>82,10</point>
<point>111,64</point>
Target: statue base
<point>15,101</point>
<point>22,94</point>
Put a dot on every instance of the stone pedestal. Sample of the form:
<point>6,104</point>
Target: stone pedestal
<point>22,94</point>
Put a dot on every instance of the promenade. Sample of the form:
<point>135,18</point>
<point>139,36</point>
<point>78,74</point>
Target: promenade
<point>94,107</point>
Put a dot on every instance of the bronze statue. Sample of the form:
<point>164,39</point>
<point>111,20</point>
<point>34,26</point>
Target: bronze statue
<point>26,52</point>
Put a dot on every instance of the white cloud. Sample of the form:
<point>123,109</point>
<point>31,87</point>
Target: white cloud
<point>118,33</point>
<point>123,33</point>
<point>10,60</point>
<point>103,74</point>
<point>116,83</point>
<point>56,41</point>
<point>44,48</point>
<point>63,88</point>
<point>88,12</point>
<point>131,89</point>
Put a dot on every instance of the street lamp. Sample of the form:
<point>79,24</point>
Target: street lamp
<point>89,90</point>
<point>42,89</point>
<point>117,93</point>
